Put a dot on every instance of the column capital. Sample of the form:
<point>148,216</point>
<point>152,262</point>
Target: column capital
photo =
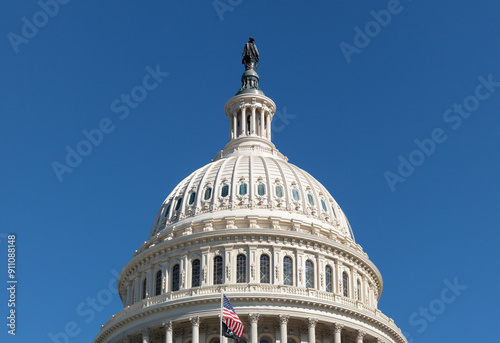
<point>311,322</point>
<point>125,339</point>
<point>283,318</point>
<point>338,327</point>
<point>195,321</point>
<point>145,332</point>
<point>254,317</point>
<point>361,334</point>
<point>168,325</point>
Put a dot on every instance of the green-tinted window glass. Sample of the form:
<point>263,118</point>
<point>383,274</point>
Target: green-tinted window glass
<point>261,189</point>
<point>295,194</point>
<point>310,199</point>
<point>323,205</point>
<point>208,193</point>
<point>279,191</point>
<point>243,189</point>
<point>225,191</point>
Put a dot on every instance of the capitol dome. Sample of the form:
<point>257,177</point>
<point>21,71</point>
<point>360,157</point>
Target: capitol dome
<point>264,232</point>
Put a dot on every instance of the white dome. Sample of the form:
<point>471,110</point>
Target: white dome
<point>264,232</point>
<point>243,184</point>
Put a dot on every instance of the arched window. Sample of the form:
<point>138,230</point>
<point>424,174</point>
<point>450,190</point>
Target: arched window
<point>218,270</point>
<point>176,280</point>
<point>295,194</point>
<point>287,271</point>
<point>323,205</point>
<point>195,273</point>
<point>345,284</point>
<point>158,283</point>
<point>264,269</point>
<point>358,285</point>
<point>310,199</point>
<point>265,340</point>
<point>261,189</point>
<point>329,279</point>
<point>243,189</point>
<point>191,198</point>
<point>241,268</point>
<point>309,274</point>
<point>279,191</point>
<point>225,191</point>
<point>178,205</point>
<point>144,285</point>
<point>208,193</point>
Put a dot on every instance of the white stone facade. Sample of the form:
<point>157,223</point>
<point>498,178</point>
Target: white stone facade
<point>267,234</point>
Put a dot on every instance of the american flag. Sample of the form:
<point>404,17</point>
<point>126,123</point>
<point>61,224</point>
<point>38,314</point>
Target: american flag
<point>233,322</point>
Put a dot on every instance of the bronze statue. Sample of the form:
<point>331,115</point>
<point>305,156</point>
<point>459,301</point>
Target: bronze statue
<point>250,55</point>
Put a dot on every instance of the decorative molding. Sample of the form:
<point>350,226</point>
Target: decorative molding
<point>361,334</point>
<point>254,317</point>
<point>283,318</point>
<point>168,325</point>
<point>195,321</point>
<point>311,322</point>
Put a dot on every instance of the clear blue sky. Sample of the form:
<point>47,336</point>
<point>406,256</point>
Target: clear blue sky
<point>355,112</point>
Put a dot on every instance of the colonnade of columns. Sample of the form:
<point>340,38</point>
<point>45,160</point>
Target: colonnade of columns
<point>254,332</point>
<point>250,120</point>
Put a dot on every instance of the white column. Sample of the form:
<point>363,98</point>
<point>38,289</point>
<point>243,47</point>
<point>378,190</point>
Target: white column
<point>311,326</point>
<point>129,293</point>
<point>254,332</point>
<point>137,289</point>
<point>262,132</point>
<point>253,120</point>
<point>164,279</point>
<point>235,125</point>
<point>338,330</point>
<point>268,121</point>
<point>283,329</point>
<point>145,335</point>
<point>195,321</point>
<point>359,338</point>
<point>168,331</point>
<point>151,282</point>
<point>243,121</point>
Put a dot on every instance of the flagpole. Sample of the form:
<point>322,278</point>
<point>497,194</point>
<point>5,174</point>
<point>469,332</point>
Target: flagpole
<point>221,294</point>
